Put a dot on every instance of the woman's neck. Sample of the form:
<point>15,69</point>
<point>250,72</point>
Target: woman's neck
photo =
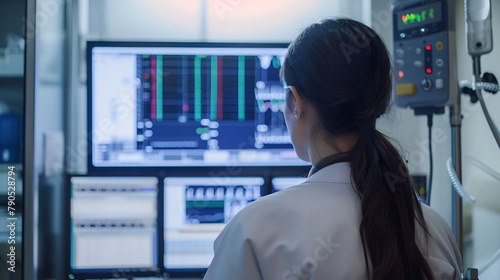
<point>323,145</point>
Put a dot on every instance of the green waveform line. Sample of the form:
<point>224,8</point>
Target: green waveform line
<point>241,88</point>
<point>274,105</point>
<point>201,130</point>
<point>276,62</point>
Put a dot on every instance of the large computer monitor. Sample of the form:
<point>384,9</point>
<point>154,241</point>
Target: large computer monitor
<point>187,104</point>
<point>114,226</point>
<point>196,211</point>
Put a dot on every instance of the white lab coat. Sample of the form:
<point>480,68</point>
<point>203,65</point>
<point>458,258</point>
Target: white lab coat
<point>311,231</point>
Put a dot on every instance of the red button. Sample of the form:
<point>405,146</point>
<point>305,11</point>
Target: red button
<point>428,70</point>
<point>428,47</point>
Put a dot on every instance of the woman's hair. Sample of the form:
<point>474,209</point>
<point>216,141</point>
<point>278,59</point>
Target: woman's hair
<point>342,68</point>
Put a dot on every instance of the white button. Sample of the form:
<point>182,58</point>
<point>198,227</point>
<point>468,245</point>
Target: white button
<point>418,63</point>
<point>439,83</point>
<point>439,62</point>
<point>418,51</point>
<point>400,62</point>
<point>400,52</point>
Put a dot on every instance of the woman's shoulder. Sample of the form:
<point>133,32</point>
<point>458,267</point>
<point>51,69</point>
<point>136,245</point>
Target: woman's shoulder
<point>262,219</point>
<point>440,247</point>
<point>309,204</point>
<point>438,228</point>
<point>296,201</point>
<point>279,205</point>
<point>434,220</point>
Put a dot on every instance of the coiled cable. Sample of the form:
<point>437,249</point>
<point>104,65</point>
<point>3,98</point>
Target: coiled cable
<point>457,185</point>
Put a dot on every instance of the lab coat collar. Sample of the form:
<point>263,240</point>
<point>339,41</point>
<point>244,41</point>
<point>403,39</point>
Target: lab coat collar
<point>335,173</point>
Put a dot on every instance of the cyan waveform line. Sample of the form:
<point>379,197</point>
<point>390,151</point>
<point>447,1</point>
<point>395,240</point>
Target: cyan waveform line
<point>241,88</point>
<point>274,105</point>
<point>159,88</point>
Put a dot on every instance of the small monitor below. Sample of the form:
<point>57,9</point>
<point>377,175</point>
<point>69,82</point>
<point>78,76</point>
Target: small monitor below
<point>281,183</point>
<point>113,224</point>
<point>196,211</point>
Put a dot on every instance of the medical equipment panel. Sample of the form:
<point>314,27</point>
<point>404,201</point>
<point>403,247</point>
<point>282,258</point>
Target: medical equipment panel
<point>425,55</point>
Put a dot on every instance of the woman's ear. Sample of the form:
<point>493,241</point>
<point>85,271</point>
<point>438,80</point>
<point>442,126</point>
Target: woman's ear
<point>299,102</point>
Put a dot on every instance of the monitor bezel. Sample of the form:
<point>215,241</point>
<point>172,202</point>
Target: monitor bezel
<point>161,170</point>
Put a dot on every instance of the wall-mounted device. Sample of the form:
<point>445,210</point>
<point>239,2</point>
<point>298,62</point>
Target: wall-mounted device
<point>478,27</point>
<point>425,52</point>
<point>479,42</point>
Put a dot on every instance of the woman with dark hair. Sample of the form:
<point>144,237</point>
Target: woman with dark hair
<point>356,216</point>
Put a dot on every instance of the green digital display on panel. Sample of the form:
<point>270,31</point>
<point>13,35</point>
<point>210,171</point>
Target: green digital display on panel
<point>423,15</point>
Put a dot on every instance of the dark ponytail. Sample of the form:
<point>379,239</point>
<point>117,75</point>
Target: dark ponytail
<point>343,68</point>
<point>389,208</point>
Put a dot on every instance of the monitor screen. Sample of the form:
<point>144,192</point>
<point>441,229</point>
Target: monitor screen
<point>113,224</point>
<point>419,16</point>
<point>196,210</point>
<point>281,183</point>
<point>187,104</point>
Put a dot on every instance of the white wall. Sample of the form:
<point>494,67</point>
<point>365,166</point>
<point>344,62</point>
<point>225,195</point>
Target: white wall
<point>214,20</point>
<point>478,142</point>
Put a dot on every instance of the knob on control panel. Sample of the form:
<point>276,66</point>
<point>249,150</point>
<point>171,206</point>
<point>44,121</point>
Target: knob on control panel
<point>426,84</point>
